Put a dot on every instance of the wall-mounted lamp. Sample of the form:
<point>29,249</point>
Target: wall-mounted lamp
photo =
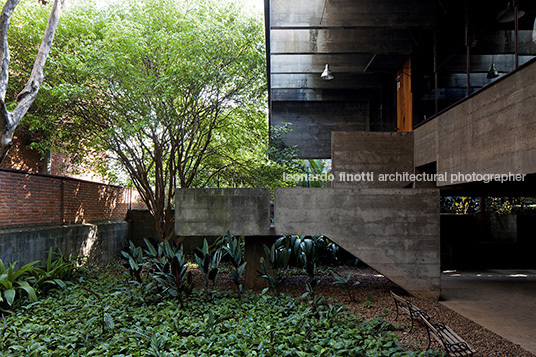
<point>327,75</point>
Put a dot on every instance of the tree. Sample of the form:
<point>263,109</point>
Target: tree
<point>175,91</point>
<point>9,120</point>
<point>172,91</point>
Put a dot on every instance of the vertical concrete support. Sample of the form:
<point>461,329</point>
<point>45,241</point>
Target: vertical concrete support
<point>395,231</point>
<point>254,252</point>
<point>216,211</point>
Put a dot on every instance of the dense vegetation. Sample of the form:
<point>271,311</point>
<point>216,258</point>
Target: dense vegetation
<point>99,314</point>
<point>148,307</point>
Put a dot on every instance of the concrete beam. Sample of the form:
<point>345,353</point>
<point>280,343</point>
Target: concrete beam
<point>395,231</point>
<point>214,212</point>
<point>309,41</point>
<point>370,13</point>
<point>313,63</point>
<point>313,80</point>
<point>321,94</point>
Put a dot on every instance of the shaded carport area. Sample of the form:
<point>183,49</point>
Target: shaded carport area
<point>501,300</point>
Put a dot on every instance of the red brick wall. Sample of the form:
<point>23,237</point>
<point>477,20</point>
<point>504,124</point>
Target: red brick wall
<point>34,199</point>
<point>20,157</point>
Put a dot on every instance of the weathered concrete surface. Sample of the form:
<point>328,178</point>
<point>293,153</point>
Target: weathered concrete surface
<point>313,122</point>
<point>99,242</point>
<point>490,133</point>
<point>354,153</point>
<point>215,211</point>
<point>395,231</point>
<point>369,13</point>
<point>426,141</point>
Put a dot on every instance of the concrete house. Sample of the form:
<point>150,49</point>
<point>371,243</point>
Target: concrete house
<point>411,100</point>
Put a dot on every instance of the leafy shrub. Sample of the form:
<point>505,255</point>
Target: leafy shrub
<point>278,259</point>
<point>169,269</point>
<point>68,321</point>
<point>235,251</point>
<point>208,261</point>
<point>57,270</point>
<point>12,281</point>
<point>54,273</point>
<point>135,259</point>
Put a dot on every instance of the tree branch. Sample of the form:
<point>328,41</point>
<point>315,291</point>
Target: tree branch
<point>28,94</point>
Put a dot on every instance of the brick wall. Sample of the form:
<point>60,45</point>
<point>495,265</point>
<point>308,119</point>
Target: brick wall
<point>37,199</point>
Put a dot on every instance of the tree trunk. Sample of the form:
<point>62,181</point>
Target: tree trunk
<point>9,121</point>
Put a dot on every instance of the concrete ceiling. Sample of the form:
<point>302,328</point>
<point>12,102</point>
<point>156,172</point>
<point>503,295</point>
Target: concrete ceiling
<point>363,41</point>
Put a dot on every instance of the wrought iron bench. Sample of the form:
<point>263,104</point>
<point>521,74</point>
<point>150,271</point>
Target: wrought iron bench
<point>405,306</point>
<point>454,345</point>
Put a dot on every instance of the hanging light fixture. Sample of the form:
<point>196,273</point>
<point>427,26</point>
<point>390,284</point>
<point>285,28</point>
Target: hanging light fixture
<point>492,72</point>
<point>508,14</point>
<point>327,75</point>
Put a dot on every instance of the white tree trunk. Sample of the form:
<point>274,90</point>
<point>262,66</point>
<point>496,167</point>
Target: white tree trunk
<point>10,120</point>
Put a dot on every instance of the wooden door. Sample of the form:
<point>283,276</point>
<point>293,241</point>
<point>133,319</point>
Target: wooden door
<point>404,98</point>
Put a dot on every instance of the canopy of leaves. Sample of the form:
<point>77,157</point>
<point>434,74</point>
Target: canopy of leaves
<point>177,82</point>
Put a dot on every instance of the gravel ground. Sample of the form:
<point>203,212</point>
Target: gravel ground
<point>371,298</point>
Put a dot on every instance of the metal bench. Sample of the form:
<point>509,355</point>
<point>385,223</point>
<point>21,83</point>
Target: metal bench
<point>454,345</point>
<point>409,309</point>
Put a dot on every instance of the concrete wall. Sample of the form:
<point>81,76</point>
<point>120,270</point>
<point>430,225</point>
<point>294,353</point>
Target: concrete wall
<point>371,152</point>
<point>100,242</point>
<point>491,132</point>
<point>395,231</point>
<point>313,122</point>
<point>214,212</point>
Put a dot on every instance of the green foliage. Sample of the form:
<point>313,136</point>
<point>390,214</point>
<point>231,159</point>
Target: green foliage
<point>278,258</point>
<point>493,205</point>
<point>233,248</point>
<point>68,322</point>
<point>169,269</point>
<point>13,280</point>
<point>459,204</point>
<point>169,93</point>
<point>508,205</point>
<point>135,260</point>
<point>208,261</point>
<point>347,283</point>
<point>57,270</point>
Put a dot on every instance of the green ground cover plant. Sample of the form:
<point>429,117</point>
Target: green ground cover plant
<point>99,314</point>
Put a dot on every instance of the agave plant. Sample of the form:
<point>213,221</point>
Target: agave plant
<point>11,281</point>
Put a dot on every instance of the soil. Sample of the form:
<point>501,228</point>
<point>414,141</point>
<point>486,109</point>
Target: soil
<point>371,298</point>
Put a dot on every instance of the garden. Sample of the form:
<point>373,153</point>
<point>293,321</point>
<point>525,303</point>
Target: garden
<point>159,301</point>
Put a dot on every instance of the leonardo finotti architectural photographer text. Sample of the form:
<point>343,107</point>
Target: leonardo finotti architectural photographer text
<point>406,177</point>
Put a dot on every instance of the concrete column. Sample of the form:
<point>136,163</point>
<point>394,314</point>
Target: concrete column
<point>253,253</point>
